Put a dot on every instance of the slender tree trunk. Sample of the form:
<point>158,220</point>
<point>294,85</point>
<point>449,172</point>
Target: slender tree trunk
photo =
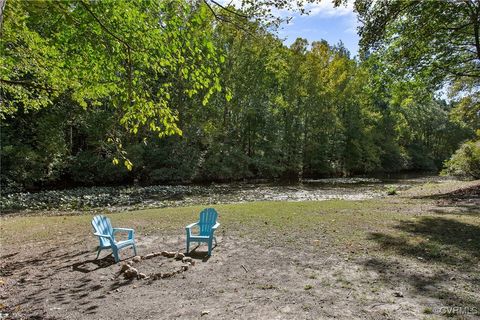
<point>305,146</point>
<point>476,30</point>
<point>2,8</point>
<point>71,139</point>
<point>474,8</point>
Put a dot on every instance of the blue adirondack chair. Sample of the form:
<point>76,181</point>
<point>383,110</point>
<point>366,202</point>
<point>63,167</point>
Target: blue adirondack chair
<point>106,235</point>
<point>207,226</point>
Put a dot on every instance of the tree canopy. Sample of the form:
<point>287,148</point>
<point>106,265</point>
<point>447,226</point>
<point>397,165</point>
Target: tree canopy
<point>438,39</point>
<point>187,91</point>
<point>435,42</point>
<point>129,54</point>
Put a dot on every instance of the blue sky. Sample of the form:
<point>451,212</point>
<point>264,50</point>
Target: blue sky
<point>323,22</point>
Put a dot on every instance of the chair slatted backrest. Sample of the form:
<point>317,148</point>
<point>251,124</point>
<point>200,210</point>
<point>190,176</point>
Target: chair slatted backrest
<point>102,225</point>
<point>208,218</point>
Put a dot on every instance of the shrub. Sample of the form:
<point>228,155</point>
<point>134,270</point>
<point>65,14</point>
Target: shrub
<point>391,191</point>
<point>465,162</point>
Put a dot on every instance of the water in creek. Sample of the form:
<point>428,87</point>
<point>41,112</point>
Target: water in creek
<point>359,188</point>
<point>127,198</point>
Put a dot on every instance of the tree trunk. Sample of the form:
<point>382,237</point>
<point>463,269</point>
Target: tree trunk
<point>2,8</point>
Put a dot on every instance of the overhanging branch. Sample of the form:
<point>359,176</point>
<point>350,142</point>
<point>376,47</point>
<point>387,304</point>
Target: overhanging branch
<point>27,84</point>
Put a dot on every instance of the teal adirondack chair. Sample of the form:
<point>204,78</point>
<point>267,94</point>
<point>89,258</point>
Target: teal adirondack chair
<point>207,226</point>
<point>106,235</point>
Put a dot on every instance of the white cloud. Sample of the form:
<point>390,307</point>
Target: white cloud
<point>235,3</point>
<point>325,8</point>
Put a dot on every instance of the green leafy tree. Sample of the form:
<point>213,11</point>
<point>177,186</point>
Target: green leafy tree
<point>85,81</point>
<point>436,39</point>
<point>107,53</point>
<point>465,161</point>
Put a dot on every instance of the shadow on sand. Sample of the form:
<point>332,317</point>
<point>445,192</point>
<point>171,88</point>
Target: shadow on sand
<point>434,257</point>
<point>93,264</point>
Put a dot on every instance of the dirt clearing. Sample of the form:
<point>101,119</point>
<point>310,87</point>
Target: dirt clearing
<point>398,258</point>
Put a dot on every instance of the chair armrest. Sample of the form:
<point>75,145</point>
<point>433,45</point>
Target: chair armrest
<point>189,229</point>
<point>109,237</point>
<point>191,225</point>
<point>131,232</point>
<point>123,229</point>
<point>216,226</point>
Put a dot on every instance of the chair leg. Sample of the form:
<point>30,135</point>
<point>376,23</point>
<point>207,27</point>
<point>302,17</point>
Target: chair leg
<point>115,255</point>
<point>98,253</point>
<point>134,249</point>
<point>210,247</point>
<point>188,246</point>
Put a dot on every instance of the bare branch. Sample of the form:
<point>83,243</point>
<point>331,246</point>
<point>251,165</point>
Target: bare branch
<point>224,19</point>
<point>229,10</point>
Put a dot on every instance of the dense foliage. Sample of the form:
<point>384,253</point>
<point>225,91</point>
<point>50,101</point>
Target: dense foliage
<point>196,98</point>
<point>465,161</point>
<point>435,42</point>
<point>436,39</point>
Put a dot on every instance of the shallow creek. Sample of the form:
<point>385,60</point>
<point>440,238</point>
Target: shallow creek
<point>129,198</point>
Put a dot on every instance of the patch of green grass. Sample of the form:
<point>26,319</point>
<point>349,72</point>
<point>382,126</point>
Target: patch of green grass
<point>308,287</point>
<point>434,240</point>
<point>391,226</point>
<point>428,310</point>
<point>325,217</point>
<point>391,190</point>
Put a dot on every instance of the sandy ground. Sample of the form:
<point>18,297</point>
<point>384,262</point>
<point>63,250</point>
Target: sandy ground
<point>242,280</point>
<point>259,273</point>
